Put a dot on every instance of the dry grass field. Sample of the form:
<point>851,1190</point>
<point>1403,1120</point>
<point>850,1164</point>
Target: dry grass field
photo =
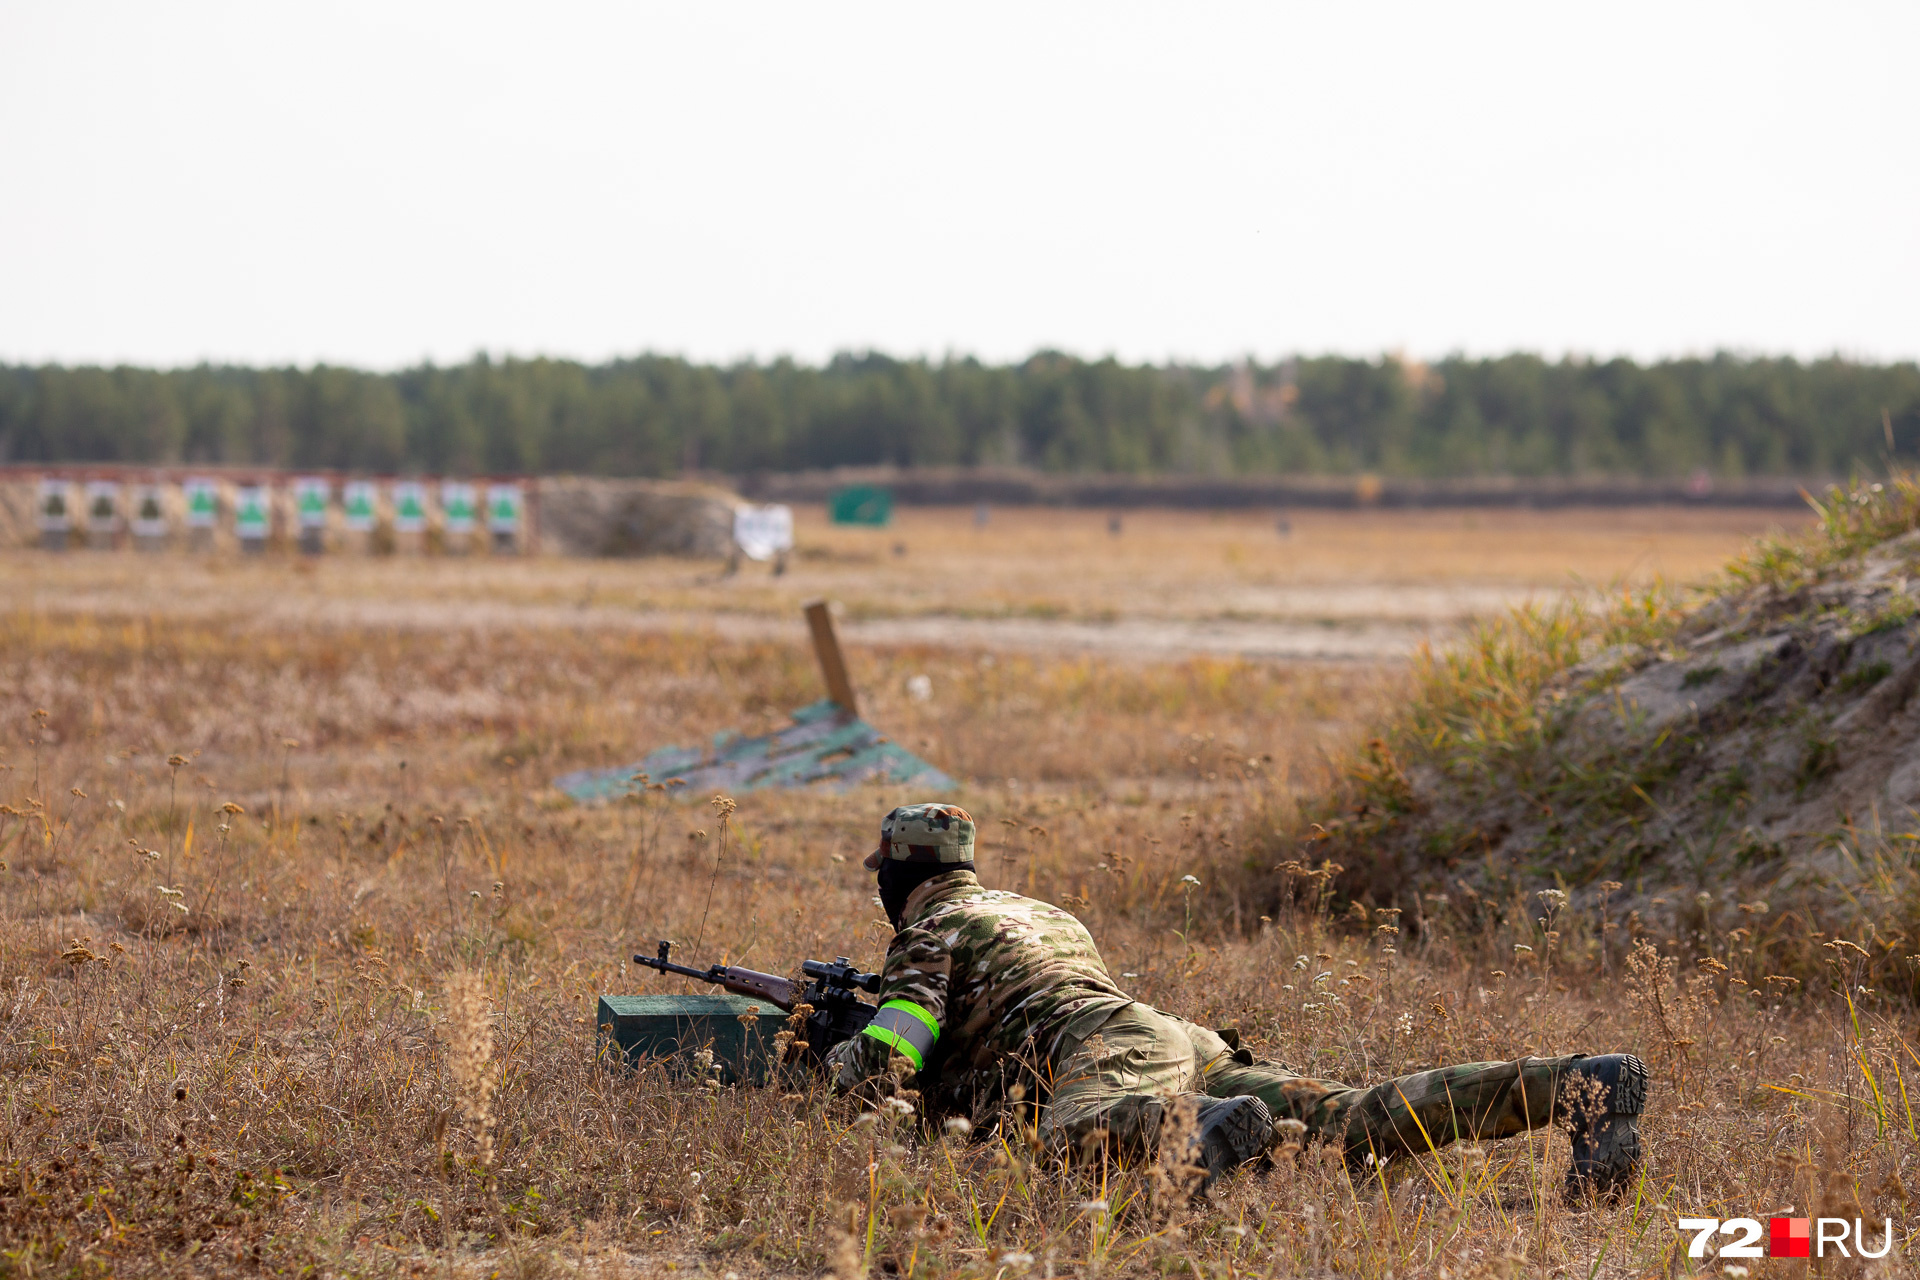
<point>1338,585</point>
<point>299,950</point>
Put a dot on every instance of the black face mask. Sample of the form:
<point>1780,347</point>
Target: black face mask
<point>898,880</point>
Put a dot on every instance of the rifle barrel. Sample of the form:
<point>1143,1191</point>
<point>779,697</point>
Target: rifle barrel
<point>667,966</point>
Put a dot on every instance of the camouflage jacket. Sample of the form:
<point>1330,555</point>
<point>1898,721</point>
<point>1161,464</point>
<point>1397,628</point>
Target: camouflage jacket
<point>984,984</point>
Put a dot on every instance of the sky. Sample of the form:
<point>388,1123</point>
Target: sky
<point>381,184</point>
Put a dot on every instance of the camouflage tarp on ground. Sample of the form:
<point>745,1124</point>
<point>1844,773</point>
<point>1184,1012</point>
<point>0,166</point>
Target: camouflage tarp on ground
<point>824,745</point>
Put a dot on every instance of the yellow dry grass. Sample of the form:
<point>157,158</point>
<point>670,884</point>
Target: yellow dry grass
<point>1331,566</point>
<point>298,956</point>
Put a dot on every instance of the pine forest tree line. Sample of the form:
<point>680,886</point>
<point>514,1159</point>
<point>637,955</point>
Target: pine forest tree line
<point>1517,415</point>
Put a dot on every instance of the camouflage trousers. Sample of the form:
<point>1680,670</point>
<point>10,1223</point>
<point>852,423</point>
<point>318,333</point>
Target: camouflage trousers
<point>1111,1090</point>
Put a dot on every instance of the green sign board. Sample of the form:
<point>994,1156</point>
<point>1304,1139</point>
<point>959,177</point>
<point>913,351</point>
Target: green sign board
<point>862,504</point>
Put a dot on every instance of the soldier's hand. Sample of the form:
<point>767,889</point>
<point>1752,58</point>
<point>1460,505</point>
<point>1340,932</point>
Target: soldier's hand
<point>854,1061</point>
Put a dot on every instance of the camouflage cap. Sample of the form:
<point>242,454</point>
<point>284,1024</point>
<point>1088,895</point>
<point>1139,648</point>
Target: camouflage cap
<point>924,833</point>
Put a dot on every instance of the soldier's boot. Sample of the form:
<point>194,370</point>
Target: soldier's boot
<point>1604,1097</point>
<point>1233,1131</point>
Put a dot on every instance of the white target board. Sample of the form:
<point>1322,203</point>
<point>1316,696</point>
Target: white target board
<point>149,512</point>
<point>251,519</point>
<point>457,506</point>
<point>359,499</point>
<point>56,506</point>
<point>310,495</point>
<point>504,505</point>
<point>761,533</point>
<point>409,507</point>
<point>103,506</point>
<point>203,502</point>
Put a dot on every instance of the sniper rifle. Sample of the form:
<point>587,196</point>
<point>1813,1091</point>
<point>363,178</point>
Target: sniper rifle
<point>838,1014</point>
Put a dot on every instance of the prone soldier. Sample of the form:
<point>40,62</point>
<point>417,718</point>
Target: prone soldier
<point>1001,990</point>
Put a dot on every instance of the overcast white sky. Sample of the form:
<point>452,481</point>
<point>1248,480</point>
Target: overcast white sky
<point>381,183</point>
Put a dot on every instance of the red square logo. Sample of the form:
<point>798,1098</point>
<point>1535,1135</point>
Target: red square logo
<point>1788,1238</point>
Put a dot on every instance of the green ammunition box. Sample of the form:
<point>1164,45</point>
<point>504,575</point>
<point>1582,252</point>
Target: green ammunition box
<point>673,1029</point>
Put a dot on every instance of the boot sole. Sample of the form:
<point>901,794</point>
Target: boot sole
<point>1612,1146</point>
<point>1629,1096</point>
<point>1242,1135</point>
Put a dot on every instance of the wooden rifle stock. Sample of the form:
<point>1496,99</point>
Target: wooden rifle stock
<point>761,986</point>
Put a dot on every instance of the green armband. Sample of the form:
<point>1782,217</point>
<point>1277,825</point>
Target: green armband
<point>907,1029</point>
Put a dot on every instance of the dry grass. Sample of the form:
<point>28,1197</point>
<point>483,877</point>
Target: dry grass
<point>346,1026</point>
<point>1413,566</point>
<point>1345,565</point>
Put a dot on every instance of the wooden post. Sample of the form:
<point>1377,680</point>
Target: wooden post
<point>833,666</point>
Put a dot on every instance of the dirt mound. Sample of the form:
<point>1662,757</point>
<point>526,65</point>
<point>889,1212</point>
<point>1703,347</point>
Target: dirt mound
<point>582,516</point>
<point>1753,753</point>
